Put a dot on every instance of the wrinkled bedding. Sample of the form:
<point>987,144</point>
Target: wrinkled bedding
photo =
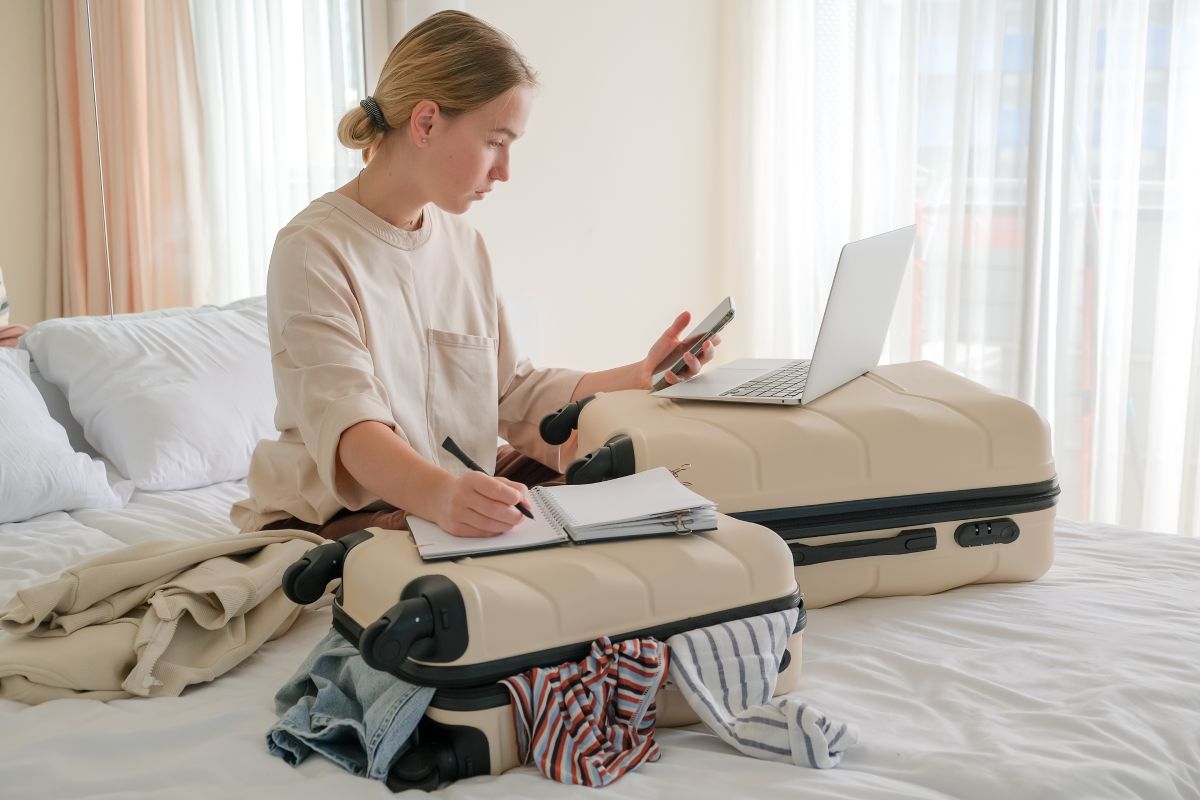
<point>1085,683</point>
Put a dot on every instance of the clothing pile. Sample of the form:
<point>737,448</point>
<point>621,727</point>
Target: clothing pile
<point>584,723</point>
<point>148,619</point>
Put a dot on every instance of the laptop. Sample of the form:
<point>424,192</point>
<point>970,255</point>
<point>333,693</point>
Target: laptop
<point>853,328</point>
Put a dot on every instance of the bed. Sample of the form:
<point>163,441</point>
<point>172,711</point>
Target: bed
<point>1085,683</point>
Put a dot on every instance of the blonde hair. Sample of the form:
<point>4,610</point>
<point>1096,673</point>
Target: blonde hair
<point>452,58</point>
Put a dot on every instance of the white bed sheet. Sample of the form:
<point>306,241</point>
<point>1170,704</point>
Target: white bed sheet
<point>1083,684</point>
<point>40,548</point>
<point>183,515</point>
<point>32,551</point>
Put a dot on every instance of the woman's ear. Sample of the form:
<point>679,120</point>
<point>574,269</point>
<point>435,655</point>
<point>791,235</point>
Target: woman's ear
<point>421,121</point>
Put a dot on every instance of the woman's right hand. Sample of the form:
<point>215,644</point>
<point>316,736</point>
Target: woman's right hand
<point>478,505</point>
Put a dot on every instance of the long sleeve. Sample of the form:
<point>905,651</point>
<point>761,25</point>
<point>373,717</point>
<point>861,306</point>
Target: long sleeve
<point>325,376</point>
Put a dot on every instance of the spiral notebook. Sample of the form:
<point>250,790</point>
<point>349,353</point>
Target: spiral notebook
<point>651,503</point>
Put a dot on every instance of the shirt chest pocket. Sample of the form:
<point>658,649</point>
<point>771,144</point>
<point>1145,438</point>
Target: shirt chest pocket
<point>463,397</point>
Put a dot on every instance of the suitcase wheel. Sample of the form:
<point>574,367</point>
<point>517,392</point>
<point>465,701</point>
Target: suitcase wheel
<point>306,580</point>
<point>613,460</point>
<point>440,754</point>
<point>556,427</point>
<point>428,624</point>
<point>416,769</point>
<point>387,641</point>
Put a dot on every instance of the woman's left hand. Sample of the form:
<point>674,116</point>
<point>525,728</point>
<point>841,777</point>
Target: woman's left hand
<point>664,353</point>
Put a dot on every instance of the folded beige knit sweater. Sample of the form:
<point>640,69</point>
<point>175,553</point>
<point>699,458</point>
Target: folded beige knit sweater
<point>148,619</point>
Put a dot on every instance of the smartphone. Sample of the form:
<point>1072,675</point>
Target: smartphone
<point>692,343</point>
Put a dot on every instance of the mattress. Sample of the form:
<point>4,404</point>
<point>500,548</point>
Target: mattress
<point>1085,683</point>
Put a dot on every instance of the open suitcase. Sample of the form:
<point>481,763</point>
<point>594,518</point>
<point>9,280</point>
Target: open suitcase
<point>907,480</point>
<point>463,625</point>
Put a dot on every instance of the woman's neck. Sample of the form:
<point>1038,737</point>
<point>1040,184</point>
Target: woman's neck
<point>386,189</point>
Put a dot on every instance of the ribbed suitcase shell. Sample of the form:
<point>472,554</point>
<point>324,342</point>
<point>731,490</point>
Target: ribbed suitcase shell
<point>540,606</point>
<point>909,450</point>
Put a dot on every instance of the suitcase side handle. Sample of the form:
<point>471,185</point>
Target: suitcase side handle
<point>914,541</point>
<point>556,427</point>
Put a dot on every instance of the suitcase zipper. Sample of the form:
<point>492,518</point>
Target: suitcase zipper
<point>882,513</point>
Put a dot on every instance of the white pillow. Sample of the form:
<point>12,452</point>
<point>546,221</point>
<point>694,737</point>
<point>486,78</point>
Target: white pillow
<point>39,472</point>
<point>174,400</point>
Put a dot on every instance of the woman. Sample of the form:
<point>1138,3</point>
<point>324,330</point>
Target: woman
<point>387,332</point>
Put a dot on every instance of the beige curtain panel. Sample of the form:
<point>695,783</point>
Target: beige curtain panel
<point>145,144</point>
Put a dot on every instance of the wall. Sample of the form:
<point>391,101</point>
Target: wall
<point>606,228</point>
<point>23,158</point>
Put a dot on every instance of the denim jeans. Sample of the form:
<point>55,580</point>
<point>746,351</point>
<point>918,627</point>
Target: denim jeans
<point>358,717</point>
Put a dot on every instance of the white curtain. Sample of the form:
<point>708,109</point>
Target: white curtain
<point>1048,153</point>
<point>275,78</point>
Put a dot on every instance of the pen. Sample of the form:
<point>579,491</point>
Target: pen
<point>457,452</point>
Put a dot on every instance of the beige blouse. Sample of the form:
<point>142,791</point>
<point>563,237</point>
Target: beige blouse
<point>370,322</point>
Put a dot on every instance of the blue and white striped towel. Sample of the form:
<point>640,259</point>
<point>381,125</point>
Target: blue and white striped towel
<point>727,673</point>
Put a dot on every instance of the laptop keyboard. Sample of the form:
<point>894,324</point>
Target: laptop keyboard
<point>786,382</point>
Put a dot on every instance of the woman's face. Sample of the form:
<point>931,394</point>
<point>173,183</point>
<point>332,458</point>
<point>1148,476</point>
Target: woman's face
<point>470,153</point>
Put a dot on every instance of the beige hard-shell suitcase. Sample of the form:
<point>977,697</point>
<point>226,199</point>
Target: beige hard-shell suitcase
<point>907,480</point>
<point>462,625</point>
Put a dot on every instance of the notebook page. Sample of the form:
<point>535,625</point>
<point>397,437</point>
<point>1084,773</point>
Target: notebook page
<point>433,542</point>
<point>642,494</point>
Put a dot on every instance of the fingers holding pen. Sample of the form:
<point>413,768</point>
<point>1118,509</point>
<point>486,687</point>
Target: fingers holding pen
<point>476,504</point>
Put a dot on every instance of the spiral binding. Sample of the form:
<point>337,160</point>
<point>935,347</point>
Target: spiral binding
<point>550,510</point>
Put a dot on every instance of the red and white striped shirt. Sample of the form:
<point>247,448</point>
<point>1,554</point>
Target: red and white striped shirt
<point>590,723</point>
